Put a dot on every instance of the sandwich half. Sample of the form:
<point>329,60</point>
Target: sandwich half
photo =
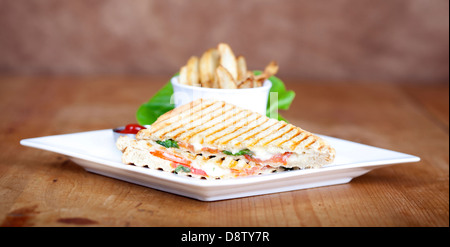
<point>217,140</point>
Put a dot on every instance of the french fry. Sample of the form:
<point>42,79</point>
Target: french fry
<point>251,77</point>
<point>224,78</point>
<point>215,82</point>
<point>192,72</point>
<point>208,64</point>
<point>183,76</point>
<point>227,59</point>
<point>259,80</point>
<point>271,69</point>
<point>246,83</point>
<point>220,68</point>
<point>241,69</point>
<point>203,69</point>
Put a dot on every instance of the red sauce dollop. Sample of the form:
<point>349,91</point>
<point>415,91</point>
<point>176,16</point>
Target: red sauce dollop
<point>131,129</point>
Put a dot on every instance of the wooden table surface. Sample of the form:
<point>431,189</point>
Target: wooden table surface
<point>40,188</point>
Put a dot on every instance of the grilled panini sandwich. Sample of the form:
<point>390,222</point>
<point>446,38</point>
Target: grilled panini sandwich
<point>216,140</point>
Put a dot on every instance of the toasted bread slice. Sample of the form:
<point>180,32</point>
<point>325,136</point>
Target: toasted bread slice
<point>209,125</point>
<point>141,153</point>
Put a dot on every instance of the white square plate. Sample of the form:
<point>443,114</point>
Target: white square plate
<point>96,152</point>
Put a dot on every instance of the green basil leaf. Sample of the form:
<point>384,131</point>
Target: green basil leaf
<point>169,143</point>
<point>182,168</point>
<point>227,152</point>
<point>242,152</point>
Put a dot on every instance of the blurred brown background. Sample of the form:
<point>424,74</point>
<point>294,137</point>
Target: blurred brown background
<point>320,40</point>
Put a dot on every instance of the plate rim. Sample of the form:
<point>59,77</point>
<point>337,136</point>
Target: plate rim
<point>34,143</point>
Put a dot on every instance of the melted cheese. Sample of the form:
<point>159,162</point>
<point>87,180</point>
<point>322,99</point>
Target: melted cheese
<point>262,154</point>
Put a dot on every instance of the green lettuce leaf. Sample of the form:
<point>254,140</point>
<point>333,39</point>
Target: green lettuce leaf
<point>159,104</point>
<point>242,152</point>
<point>169,143</point>
<point>156,106</point>
<point>284,97</point>
<point>181,168</point>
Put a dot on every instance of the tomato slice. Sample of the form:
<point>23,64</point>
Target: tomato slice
<point>280,158</point>
<point>246,171</point>
<point>186,146</point>
<point>277,158</point>
<point>191,148</point>
<point>211,150</point>
<point>193,170</point>
<point>198,171</point>
<point>177,160</point>
<point>171,157</point>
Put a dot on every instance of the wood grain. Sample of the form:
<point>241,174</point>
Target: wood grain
<point>39,188</point>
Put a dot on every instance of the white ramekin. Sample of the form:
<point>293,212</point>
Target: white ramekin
<point>254,99</point>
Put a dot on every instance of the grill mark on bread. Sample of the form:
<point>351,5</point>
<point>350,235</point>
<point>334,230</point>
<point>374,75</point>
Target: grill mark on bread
<point>198,132</point>
<point>292,141</point>
<point>197,123</point>
<point>257,132</point>
<point>218,137</point>
<point>236,121</point>
<point>298,132</point>
<point>250,118</point>
<point>174,112</point>
<point>164,120</point>
<point>293,131</point>
<point>256,125</point>
<point>236,128</point>
<point>188,120</point>
<point>295,144</point>
<point>211,131</point>
<point>172,130</point>
<point>200,128</point>
<point>282,125</point>
<point>321,146</point>
<point>311,143</point>
<point>290,128</point>
<point>194,108</point>
<point>227,126</point>
<point>226,134</point>
<point>185,112</point>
